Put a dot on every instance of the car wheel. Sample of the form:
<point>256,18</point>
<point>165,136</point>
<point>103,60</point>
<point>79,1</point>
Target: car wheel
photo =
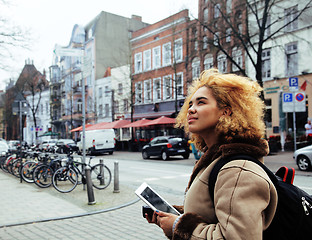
<point>164,155</point>
<point>145,155</point>
<point>186,156</point>
<point>303,163</point>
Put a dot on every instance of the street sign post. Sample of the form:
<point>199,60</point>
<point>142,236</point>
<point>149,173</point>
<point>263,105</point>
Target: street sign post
<point>294,102</point>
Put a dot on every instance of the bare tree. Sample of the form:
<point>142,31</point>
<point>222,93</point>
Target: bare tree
<point>11,37</point>
<point>250,24</point>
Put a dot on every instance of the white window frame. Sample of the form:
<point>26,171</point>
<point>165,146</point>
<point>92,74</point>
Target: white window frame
<point>138,92</point>
<point>156,57</point>
<point>216,8</point>
<point>167,87</point>
<point>222,62</point>
<point>228,6</point>
<point>208,61</point>
<point>138,62</point>
<point>228,36</point>
<point>195,67</point>
<point>157,89</point>
<point>237,56</point>
<point>179,85</point>
<point>216,39</point>
<point>178,50</point>
<point>205,42</point>
<point>120,88</point>
<point>290,15</point>
<point>148,91</point>
<point>291,51</point>
<point>147,60</point>
<point>205,15</point>
<point>266,64</point>
<point>166,54</point>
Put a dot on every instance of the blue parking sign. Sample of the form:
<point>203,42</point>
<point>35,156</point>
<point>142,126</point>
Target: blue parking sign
<point>293,82</point>
<point>287,97</point>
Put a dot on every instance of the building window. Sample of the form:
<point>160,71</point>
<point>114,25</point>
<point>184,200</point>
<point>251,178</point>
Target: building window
<point>157,89</point>
<point>167,87</point>
<point>125,105</point>
<point>116,106</point>
<point>156,57</point>
<point>147,91</point>
<point>238,58</point>
<point>222,63</point>
<point>106,110</point>
<point>208,62</point>
<point>228,35</point>
<point>138,62</point>
<point>120,89</point>
<point>266,64</point>
<point>267,31</point>
<point>290,15</point>
<point>216,39</point>
<point>166,54</point>
<point>205,42</point>
<point>138,92</point>
<point>195,67</point>
<point>228,6</point>
<point>268,113</point>
<point>147,60</point>
<point>179,85</point>
<point>240,28</point>
<point>216,10</point>
<point>100,92</point>
<point>79,105</point>
<point>101,110</point>
<point>291,59</point>
<point>178,50</point>
<point>205,13</point>
<point>107,91</point>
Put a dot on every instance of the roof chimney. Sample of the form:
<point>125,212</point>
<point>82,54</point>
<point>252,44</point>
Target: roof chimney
<point>136,17</point>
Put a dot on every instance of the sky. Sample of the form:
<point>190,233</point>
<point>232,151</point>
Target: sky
<point>51,22</point>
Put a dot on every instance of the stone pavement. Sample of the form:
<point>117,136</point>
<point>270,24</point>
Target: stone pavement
<point>28,212</point>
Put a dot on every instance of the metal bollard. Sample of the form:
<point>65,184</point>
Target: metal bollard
<point>116,177</point>
<point>91,199</point>
<point>102,182</point>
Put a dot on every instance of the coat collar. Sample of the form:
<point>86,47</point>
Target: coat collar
<point>257,149</point>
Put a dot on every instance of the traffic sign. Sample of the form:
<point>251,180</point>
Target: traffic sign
<point>294,102</point>
<point>293,82</point>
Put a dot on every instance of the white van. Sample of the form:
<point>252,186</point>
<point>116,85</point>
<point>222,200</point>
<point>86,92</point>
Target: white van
<point>99,141</point>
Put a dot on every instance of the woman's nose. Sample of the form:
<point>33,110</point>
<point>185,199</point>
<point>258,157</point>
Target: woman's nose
<point>191,109</point>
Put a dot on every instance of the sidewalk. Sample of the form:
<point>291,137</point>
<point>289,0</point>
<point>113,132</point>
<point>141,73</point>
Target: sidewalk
<point>27,212</point>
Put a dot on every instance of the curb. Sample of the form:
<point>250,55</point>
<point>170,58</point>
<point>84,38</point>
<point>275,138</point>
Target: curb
<point>73,216</point>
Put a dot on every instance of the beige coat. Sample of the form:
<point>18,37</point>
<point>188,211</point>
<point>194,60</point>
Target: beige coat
<point>245,202</point>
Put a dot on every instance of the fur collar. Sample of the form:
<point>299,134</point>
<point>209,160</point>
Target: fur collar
<point>257,149</point>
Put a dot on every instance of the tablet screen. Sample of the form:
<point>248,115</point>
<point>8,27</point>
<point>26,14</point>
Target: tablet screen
<point>153,198</point>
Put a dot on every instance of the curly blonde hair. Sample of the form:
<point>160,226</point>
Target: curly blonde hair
<point>238,93</point>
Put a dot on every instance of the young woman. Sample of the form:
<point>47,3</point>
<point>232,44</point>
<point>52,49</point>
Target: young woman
<point>224,114</point>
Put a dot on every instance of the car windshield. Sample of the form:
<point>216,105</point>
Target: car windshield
<point>175,140</point>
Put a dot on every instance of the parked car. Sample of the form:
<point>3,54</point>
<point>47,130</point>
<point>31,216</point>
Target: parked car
<point>166,146</point>
<point>303,158</point>
<point>66,146</point>
<point>4,147</point>
<point>48,145</point>
<point>13,144</point>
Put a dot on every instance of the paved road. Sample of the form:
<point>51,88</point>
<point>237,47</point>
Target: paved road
<point>27,212</point>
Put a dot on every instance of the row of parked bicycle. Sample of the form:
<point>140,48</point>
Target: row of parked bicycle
<point>63,172</point>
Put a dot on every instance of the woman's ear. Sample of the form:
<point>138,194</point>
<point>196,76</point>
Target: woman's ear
<point>227,111</point>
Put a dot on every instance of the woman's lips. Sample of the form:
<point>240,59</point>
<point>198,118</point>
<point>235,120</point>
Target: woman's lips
<point>191,119</point>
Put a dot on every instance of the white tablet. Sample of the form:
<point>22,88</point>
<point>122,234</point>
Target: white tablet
<point>154,200</point>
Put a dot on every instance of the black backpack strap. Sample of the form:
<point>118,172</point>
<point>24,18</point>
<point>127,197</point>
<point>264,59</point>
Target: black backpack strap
<point>215,171</point>
<point>286,174</point>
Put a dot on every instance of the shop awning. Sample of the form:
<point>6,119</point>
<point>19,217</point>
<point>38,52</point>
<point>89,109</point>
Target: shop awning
<point>78,129</point>
<point>139,123</point>
<point>96,126</point>
<point>117,124</point>
<point>161,120</point>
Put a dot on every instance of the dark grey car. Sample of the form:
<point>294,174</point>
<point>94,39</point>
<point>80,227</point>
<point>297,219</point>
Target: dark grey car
<point>166,146</point>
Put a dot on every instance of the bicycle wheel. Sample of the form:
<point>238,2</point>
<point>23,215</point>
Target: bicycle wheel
<point>43,176</point>
<point>101,176</point>
<point>65,179</point>
<point>15,168</point>
<point>28,170</point>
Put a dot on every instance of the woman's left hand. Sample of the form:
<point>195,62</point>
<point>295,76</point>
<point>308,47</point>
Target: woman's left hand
<point>165,221</point>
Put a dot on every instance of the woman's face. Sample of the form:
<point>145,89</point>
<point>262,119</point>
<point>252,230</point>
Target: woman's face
<point>203,113</point>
